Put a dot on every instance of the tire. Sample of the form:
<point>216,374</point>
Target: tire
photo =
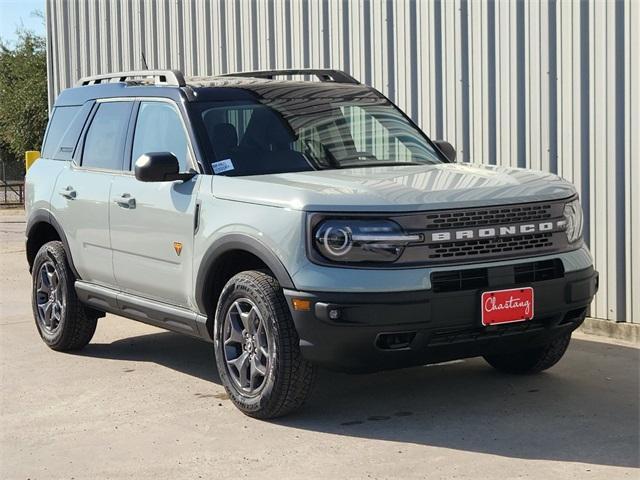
<point>257,348</point>
<point>531,361</point>
<point>62,321</point>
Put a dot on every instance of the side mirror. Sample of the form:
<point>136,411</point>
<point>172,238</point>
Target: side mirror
<point>159,167</point>
<point>447,149</point>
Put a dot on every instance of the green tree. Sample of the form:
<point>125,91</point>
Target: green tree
<point>23,99</point>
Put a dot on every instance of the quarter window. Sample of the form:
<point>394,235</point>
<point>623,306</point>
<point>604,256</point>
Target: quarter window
<point>62,120</point>
<point>104,143</point>
<point>159,129</point>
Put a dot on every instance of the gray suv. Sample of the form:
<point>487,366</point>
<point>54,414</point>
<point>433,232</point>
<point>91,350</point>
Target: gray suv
<point>294,224</point>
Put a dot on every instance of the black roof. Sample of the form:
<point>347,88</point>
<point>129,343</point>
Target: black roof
<point>220,88</point>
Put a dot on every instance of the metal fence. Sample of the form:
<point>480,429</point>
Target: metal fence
<point>549,84</point>
<point>11,189</point>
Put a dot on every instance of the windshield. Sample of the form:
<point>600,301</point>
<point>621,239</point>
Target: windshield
<point>293,135</point>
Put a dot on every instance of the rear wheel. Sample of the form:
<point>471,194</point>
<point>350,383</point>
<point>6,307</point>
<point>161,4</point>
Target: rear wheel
<point>533,360</point>
<point>256,347</point>
<point>62,321</point>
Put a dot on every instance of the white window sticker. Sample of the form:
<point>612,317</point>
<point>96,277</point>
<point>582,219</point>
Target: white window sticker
<point>222,166</point>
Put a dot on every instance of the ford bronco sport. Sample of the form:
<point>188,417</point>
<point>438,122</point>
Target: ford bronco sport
<point>294,224</point>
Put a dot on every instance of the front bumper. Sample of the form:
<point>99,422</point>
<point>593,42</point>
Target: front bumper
<point>377,331</point>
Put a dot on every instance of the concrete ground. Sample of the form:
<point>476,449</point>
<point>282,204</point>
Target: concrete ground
<point>140,403</point>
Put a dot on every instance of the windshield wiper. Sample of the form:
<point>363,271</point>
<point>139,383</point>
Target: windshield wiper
<point>380,164</point>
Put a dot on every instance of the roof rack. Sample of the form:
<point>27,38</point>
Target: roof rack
<point>324,75</point>
<point>161,77</point>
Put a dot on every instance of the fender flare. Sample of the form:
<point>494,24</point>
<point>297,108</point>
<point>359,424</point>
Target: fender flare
<point>236,241</point>
<point>43,215</point>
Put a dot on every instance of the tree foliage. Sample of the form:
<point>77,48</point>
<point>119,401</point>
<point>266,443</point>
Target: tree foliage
<point>23,98</point>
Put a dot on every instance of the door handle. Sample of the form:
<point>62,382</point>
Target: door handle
<point>68,193</point>
<point>125,200</point>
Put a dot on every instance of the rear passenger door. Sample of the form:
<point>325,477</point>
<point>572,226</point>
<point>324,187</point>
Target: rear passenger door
<point>80,201</point>
<point>152,224</point>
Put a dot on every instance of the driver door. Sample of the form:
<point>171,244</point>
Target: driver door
<point>152,224</point>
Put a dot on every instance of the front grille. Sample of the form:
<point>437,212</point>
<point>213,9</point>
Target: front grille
<point>489,216</point>
<point>477,278</point>
<point>538,271</point>
<point>447,337</point>
<point>492,246</point>
<point>478,234</point>
<point>456,280</point>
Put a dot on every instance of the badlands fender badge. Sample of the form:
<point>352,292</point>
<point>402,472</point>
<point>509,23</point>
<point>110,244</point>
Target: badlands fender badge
<point>177,246</point>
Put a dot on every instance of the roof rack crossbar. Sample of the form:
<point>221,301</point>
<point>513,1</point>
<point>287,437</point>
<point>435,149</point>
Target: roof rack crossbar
<point>164,77</point>
<point>324,75</point>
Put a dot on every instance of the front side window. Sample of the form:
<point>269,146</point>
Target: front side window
<point>289,135</point>
<point>104,143</point>
<point>159,129</point>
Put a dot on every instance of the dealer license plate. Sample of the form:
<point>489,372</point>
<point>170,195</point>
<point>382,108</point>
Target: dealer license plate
<point>506,306</point>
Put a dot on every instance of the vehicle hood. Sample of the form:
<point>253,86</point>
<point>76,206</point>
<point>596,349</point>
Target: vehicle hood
<point>395,189</point>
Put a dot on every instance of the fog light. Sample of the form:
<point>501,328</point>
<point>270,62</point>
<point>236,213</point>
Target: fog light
<point>334,314</point>
<point>395,341</point>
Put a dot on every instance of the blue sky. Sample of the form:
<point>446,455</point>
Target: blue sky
<point>16,13</point>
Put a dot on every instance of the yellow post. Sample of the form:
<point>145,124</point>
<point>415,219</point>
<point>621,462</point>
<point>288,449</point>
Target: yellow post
<point>30,157</point>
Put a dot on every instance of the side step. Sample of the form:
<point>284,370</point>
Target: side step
<point>144,310</point>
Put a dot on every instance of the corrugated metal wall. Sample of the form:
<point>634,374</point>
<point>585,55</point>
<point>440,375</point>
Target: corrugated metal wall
<point>551,85</point>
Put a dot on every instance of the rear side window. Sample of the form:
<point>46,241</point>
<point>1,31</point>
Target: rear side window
<point>104,142</point>
<point>63,132</point>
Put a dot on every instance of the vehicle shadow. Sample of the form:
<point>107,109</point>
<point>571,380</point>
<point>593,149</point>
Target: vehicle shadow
<point>586,409</point>
<point>177,352</point>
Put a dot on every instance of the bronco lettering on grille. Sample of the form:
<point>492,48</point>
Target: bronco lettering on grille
<point>502,231</point>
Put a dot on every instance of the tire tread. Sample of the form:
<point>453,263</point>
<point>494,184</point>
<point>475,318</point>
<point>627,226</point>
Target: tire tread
<point>79,323</point>
<point>531,361</point>
<point>297,375</point>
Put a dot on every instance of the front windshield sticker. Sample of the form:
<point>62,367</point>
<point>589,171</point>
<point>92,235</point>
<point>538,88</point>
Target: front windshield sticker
<point>222,166</point>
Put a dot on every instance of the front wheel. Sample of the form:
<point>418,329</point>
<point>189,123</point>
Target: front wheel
<point>533,360</point>
<point>256,347</point>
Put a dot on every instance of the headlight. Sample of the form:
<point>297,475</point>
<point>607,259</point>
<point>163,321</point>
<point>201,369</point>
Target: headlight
<point>573,215</point>
<point>360,240</point>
